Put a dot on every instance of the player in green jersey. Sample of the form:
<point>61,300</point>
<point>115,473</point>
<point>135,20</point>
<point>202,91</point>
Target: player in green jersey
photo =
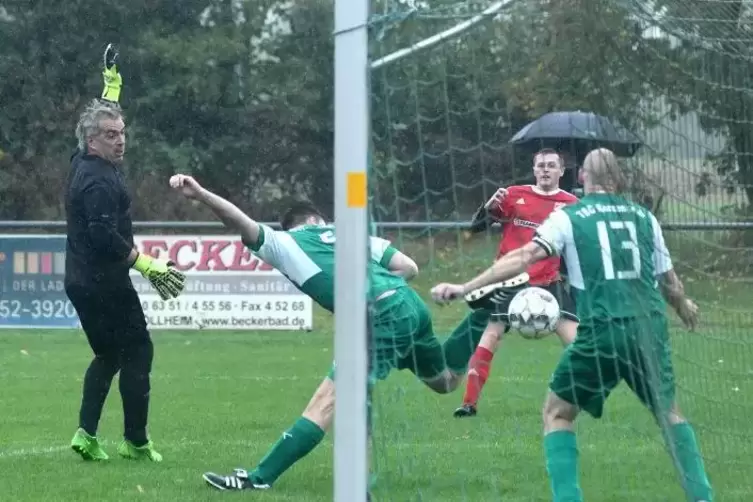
<point>402,336</point>
<point>621,273</point>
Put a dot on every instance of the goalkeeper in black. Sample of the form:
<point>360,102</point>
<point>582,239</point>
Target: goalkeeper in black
<point>99,253</point>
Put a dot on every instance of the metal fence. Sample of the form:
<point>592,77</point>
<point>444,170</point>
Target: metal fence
<point>383,225</point>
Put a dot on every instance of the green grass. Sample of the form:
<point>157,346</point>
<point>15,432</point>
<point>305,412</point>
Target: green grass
<point>219,399</point>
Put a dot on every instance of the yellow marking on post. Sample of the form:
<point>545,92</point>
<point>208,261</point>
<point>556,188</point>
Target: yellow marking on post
<point>356,182</point>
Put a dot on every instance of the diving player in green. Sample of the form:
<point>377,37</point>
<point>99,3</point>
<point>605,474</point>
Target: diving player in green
<point>620,273</point>
<point>401,327</point>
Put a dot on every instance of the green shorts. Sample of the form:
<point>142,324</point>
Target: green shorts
<point>605,353</point>
<point>402,337</point>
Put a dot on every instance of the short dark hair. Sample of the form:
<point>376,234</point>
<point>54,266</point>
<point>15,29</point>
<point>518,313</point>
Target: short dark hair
<point>297,213</point>
<point>546,151</point>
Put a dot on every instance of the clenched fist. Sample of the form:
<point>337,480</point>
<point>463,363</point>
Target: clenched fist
<point>445,292</point>
<point>187,185</point>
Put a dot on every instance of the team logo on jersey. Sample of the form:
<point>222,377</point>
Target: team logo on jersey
<point>520,201</point>
<point>524,223</point>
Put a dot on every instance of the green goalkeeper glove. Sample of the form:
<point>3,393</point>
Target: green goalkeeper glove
<point>166,279</point>
<point>112,79</point>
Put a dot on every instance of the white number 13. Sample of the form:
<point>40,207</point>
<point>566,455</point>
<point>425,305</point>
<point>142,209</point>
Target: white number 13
<point>630,244</point>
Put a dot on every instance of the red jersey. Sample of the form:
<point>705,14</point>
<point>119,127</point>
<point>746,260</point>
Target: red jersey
<point>523,209</point>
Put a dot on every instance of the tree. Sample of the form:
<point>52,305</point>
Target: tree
<point>211,87</point>
<point>50,65</point>
<point>443,118</point>
<point>712,74</point>
<point>240,93</point>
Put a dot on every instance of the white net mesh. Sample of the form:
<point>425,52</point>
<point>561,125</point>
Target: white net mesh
<point>678,75</point>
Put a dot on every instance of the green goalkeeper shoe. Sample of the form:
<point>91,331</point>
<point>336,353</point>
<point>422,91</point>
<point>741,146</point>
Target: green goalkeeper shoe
<point>87,446</point>
<point>126,449</point>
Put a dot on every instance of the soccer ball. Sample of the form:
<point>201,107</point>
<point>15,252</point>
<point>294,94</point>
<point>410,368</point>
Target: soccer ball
<point>534,313</point>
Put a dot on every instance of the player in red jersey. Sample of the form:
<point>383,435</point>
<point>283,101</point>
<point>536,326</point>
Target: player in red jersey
<point>521,209</point>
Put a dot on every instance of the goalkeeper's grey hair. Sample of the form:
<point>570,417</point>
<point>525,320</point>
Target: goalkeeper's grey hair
<point>88,122</point>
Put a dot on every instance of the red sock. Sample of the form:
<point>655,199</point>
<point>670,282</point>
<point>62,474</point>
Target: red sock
<point>478,372</point>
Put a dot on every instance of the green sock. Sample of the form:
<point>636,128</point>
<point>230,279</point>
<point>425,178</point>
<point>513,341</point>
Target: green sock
<point>462,343</point>
<point>561,453</point>
<point>294,444</point>
<point>690,462</point>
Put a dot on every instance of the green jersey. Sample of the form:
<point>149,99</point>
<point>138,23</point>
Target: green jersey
<point>613,250</point>
<point>306,256</point>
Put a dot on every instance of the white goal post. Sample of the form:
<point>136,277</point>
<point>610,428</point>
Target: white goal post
<point>352,135</point>
<point>351,247</point>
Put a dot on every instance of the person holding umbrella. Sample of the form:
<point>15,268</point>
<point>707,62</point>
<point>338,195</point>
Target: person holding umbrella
<point>576,133</point>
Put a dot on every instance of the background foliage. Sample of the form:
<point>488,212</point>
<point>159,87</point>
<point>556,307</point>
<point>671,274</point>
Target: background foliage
<point>240,94</point>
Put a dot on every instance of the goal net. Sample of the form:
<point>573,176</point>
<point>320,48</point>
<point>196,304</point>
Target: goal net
<point>451,84</point>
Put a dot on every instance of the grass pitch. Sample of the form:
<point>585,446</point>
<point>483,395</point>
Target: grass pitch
<point>220,398</point>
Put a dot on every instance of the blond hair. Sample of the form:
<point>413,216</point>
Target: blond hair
<point>604,170</point>
<point>88,122</point>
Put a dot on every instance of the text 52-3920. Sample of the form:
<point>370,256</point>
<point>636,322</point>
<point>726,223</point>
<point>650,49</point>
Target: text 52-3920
<point>37,309</point>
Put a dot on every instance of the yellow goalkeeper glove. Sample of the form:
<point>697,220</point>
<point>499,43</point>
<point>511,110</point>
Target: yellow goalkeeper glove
<point>112,79</point>
<point>162,275</point>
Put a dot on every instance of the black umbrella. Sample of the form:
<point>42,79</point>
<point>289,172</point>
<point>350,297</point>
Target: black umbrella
<point>577,133</point>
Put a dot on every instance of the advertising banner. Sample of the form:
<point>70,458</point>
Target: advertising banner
<point>227,286</point>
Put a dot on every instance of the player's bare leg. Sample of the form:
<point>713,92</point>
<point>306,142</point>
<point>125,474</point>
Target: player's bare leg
<point>683,448</point>
<point>294,444</point>
<point>566,330</point>
<point>561,449</point>
<point>479,367</point>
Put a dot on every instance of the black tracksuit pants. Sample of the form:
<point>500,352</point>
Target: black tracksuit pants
<point>115,327</point>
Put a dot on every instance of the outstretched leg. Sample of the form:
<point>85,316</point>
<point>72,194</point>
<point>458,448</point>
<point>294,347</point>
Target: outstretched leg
<point>301,438</point>
<point>464,339</point>
<point>295,443</point>
<point>441,367</point>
